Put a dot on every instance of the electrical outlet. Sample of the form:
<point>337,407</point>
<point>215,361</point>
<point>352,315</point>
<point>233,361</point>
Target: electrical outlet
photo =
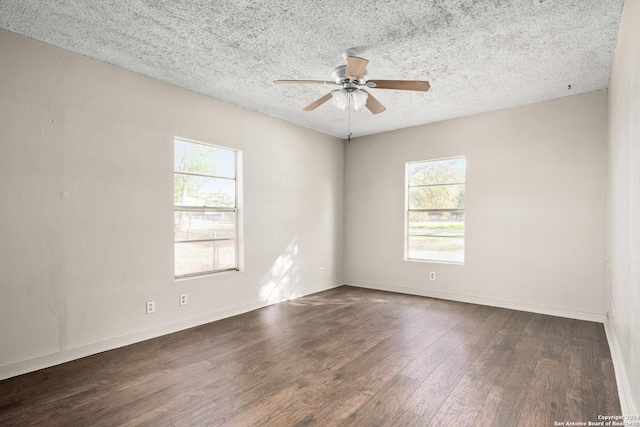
<point>432,275</point>
<point>183,299</point>
<point>151,307</point>
<point>321,271</point>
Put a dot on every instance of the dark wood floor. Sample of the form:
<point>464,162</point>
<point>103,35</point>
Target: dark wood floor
<point>348,356</point>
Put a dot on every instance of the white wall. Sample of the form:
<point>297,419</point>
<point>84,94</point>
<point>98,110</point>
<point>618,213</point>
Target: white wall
<point>624,208</point>
<point>535,208</point>
<point>86,225</point>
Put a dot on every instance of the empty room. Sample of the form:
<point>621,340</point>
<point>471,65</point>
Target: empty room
<point>320,213</point>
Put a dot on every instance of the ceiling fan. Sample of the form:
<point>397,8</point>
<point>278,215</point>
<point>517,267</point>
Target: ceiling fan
<point>352,78</point>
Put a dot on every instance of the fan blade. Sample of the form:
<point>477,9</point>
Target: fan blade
<point>373,104</point>
<point>355,67</point>
<point>421,86</point>
<point>317,82</point>
<point>318,102</point>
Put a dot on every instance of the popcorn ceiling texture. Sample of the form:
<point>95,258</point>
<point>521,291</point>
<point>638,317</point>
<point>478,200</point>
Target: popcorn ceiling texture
<point>477,55</point>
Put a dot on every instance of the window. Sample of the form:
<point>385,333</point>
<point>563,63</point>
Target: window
<point>435,210</point>
<point>206,211</point>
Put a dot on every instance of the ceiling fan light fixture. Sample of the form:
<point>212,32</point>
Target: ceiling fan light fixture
<point>340,98</point>
<point>359,98</point>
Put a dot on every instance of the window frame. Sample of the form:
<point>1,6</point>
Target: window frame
<point>205,209</point>
<point>408,211</point>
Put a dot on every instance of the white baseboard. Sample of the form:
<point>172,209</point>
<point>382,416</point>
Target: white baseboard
<point>68,355</point>
<point>532,308</point>
<point>624,388</point>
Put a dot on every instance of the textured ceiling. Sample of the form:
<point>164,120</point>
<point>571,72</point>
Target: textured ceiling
<point>477,55</point>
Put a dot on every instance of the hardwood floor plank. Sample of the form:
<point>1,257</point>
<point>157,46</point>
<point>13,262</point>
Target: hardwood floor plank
<point>253,347</point>
<point>372,370</point>
<point>262,374</point>
<point>169,348</point>
<point>465,402</point>
<point>508,394</point>
<point>585,375</point>
<point>436,388</point>
<point>374,341</point>
<point>545,400</point>
<point>353,368</point>
<point>603,344</point>
<point>496,321</point>
<point>387,403</point>
<point>342,357</point>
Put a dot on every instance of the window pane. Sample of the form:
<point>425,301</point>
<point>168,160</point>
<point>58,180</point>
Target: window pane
<point>437,197</point>
<point>203,159</point>
<point>200,191</point>
<point>448,249</point>
<point>204,225</point>
<point>437,172</point>
<point>436,236</point>
<point>436,224</point>
<point>202,257</point>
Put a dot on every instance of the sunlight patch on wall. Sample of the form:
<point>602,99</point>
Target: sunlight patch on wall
<point>282,281</point>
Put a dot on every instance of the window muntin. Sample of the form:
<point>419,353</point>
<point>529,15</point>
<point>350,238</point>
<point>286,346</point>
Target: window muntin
<point>206,214</point>
<point>435,210</point>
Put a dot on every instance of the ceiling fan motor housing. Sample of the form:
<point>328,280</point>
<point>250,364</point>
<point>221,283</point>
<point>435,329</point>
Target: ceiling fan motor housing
<point>339,77</point>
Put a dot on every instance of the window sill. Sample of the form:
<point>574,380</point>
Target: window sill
<point>207,275</point>
<point>431,261</point>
